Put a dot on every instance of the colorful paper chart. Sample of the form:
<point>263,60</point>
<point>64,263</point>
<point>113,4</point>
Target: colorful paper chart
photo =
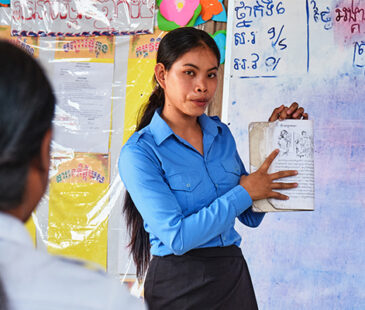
<point>78,202</point>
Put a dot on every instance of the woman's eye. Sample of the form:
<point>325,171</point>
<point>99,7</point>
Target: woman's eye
<point>189,73</point>
<point>212,75</point>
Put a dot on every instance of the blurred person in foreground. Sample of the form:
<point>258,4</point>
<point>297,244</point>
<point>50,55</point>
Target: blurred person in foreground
<point>30,279</point>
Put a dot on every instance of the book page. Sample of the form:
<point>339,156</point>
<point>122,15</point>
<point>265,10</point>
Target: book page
<point>294,139</point>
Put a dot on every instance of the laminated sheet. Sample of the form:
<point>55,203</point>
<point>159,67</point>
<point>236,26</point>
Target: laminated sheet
<point>100,83</point>
<point>81,17</point>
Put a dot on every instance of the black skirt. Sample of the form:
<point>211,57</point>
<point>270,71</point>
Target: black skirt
<point>209,278</point>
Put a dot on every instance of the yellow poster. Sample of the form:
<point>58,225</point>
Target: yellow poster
<point>141,64</point>
<point>78,215</point>
<point>29,44</point>
<point>90,49</point>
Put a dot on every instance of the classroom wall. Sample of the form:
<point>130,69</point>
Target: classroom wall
<point>305,260</point>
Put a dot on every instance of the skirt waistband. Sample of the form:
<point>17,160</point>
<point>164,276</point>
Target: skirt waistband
<point>229,251</point>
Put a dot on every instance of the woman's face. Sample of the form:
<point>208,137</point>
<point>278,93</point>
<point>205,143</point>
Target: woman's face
<point>190,83</point>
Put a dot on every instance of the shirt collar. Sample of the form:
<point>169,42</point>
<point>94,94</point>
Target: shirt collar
<point>161,131</point>
<point>208,125</point>
<point>13,230</point>
<point>159,128</point>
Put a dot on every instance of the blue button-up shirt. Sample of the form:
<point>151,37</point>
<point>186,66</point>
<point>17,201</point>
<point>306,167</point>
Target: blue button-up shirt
<point>187,200</point>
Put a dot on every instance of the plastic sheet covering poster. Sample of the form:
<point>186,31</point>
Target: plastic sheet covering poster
<point>82,77</point>
<point>141,64</point>
<point>31,46</point>
<point>311,52</point>
<point>78,196</point>
<point>81,17</point>
<point>77,224</point>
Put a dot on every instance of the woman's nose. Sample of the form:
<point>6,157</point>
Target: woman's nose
<point>201,87</point>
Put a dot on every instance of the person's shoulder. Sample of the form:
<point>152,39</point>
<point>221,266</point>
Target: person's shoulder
<point>224,127</point>
<point>94,286</point>
<point>140,148</point>
<point>138,137</point>
<point>38,279</point>
<point>67,269</point>
<point>142,139</point>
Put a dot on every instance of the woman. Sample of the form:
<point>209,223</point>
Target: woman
<point>32,279</point>
<point>186,185</point>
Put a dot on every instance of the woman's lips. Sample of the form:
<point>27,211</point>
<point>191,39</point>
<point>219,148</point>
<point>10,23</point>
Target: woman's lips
<point>200,102</point>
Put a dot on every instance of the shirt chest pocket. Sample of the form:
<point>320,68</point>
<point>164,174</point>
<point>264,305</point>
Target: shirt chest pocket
<point>188,190</point>
<point>230,173</point>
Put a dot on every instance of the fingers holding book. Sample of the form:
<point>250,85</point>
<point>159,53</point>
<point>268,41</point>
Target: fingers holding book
<point>292,112</point>
<point>260,184</point>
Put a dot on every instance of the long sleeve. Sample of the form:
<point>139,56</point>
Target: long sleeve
<point>142,175</point>
<point>248,217</point>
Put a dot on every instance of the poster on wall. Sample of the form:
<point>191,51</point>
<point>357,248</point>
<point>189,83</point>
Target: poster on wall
<point>78,216</point>
<point>81,17</point>
<point>141,63</point>
<point>83,74</point>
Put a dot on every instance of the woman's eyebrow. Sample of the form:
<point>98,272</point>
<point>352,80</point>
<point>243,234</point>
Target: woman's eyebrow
<point>196,67</point>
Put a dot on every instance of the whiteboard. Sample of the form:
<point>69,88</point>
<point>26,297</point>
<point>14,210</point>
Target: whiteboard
<point>311,52</point>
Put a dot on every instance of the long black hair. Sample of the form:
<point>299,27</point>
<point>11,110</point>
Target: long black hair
<point>27,107</point>
<point>173,46</point>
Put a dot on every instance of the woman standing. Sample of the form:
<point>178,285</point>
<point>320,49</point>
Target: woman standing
<point>187,185</point>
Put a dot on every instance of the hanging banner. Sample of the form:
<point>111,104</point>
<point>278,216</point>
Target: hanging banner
<point>81,17</point>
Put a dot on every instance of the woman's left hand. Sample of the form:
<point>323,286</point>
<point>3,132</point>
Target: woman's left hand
<point>293,112</point>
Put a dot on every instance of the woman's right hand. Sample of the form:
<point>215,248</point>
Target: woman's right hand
<point>260,184</point>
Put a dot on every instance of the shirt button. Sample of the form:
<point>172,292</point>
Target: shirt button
<point>188,185</point>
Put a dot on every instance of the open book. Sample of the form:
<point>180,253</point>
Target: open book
<point>294,139</point>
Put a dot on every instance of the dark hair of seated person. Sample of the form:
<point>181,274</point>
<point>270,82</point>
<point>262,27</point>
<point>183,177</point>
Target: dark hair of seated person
<point>27,107</point>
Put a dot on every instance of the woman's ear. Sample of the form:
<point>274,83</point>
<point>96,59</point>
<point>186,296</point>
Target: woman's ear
<point>41,162</point>
<point>160,73</point>
<point>45,151</point>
